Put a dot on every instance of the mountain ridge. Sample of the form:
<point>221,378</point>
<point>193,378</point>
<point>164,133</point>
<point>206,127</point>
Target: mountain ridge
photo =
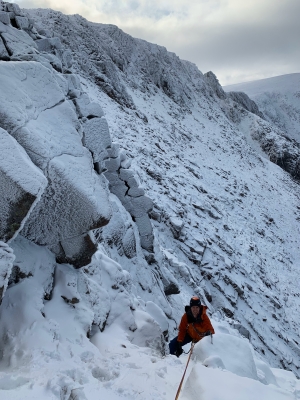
<point>214,107</point>
<point>178,190</point>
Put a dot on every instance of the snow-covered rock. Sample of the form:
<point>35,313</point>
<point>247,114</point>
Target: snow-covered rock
<point>6,263</point>
<point>46,125</point>
<point>87,109</point>
<point>22,185</point>
<point>17,42</point>
<point>242,99</point>
<point>4,18</point>
<point>13,7</point>
<point>232,353</point>
<point>278,99</point>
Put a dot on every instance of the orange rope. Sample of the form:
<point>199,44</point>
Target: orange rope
<point>182,379</point>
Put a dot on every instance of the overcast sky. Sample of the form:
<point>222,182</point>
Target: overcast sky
<point>239,40</point>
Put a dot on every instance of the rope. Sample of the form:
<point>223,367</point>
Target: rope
<point>182,379</point>
<point>190,351</point>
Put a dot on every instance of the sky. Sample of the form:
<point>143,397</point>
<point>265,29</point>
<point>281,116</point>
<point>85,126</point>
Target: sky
<point>238,40</point>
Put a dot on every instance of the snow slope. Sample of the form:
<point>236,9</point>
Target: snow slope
<point>115,364</point>
<point>224,224</point>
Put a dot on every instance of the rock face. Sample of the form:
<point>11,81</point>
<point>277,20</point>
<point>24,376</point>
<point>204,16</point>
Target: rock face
<point>244,100</point>
<point>21,182</point>
<point>282,150</point>
<point>125,186</point>
<point>66,135</point>
<point>214,85</point>
<point>6,263</point>
<point>278,135</point>
<point>278,98</point>
<point>55,187</point>
<point>17,42</point>
<point>44,122</point>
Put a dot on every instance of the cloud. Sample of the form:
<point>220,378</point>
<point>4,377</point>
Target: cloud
<point>237,40</point>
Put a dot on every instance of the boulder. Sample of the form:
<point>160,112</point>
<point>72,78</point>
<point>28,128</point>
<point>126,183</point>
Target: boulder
<point>136,192</point>
<point>144,225</point>
<point>67,59</point>
<point>12,7</point>
<point>114,151</point>
<point>145,230</point>
<point>45,32</point>
<point>76,201</point>
<point>18,42</point>
<point>22,22</point>
<point>112,164</point>
<point>54,61</point>
<point>119,189</point>
<point>51,134</point>
<point>77,251</point>
<point>129,243</point>
<point>139,206</point>
<point>29,98</point>
<point>127,175</point>
<point>50,45</point>
<point>4,18</point>
<point>96,137</point>
<point>147,242</point>
<point>74,85</point>
<point>176,226</point>
<point>87,109</point>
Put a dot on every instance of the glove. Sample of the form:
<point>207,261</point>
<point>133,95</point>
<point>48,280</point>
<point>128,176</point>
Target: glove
<point>178,350</point>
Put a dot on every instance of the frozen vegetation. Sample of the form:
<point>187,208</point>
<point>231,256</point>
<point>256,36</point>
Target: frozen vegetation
<point>130,181</point>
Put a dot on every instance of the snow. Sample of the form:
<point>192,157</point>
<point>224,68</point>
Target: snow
<point>234,354</point>
<point>114,364</point>
<point>224,226</point>
<point>216,384</point>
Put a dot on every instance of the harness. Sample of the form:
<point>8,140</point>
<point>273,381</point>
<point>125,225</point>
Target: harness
<point>200,334</point>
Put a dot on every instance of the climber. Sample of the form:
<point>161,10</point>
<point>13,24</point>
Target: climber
<point>194,325</point>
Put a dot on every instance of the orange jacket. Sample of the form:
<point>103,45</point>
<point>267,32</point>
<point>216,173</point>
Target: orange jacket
<point>189,325</point>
